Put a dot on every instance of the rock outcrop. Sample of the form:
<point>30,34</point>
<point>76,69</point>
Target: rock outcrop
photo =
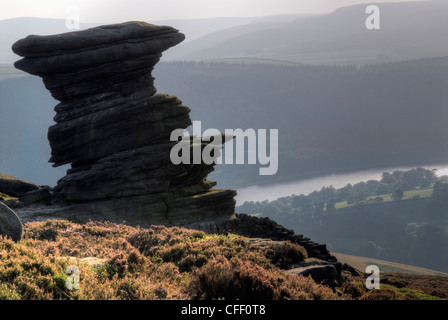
<point>321,265</point>
<point>254,227</point>
<point>10,224</point>
<point>15,187</point>
<point>321,273</point>
<point>114,130</point>
<point>35,196</point>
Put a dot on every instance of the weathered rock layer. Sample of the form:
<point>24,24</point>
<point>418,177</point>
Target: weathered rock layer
<point>115,131</point>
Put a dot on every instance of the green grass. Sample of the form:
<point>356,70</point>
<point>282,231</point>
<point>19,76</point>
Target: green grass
<point>6,197</point>
<point>259,214</point>
<point>422,193</point>
<point>408,293</point>
<point>341,205</point>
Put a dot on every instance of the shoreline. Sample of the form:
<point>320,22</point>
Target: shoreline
<point>343,177</point>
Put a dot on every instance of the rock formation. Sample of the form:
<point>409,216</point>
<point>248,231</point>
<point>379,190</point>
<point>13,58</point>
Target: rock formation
<point>254,227</point>
<point>115,131</point>
<point>10,224</point>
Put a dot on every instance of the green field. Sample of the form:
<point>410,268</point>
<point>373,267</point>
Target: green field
<point>422,193</point>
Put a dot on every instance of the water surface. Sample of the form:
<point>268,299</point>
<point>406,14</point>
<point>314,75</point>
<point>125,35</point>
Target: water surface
<point>275,191</point>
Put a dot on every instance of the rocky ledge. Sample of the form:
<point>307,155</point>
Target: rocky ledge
<point>114,130</point>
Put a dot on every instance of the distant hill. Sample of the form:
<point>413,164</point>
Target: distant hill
<point>361,263</point>
<point>12,30</point>
<point>197,28</point>
<point>193,44</point>
<point>409,30</point>
<point>330,119</point>
<point>9,72</point>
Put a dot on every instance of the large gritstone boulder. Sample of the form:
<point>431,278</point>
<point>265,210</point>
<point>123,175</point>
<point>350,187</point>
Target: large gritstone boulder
<point>115,131</point>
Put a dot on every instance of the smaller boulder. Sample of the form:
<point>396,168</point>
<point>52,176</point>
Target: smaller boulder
<point>15,187</point>
<point>10,224</point>
<point>90,261</point>
<point>327,274</point>
<point>35,196</point>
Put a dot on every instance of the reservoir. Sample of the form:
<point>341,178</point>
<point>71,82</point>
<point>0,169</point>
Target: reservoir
<point>275,191</point>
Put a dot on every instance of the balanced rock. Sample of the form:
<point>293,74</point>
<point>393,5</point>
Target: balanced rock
<point>115,131</point>
<point>10,224</point>
<point>15,187</point>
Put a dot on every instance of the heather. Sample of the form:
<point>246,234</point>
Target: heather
<point>154,263</point>
<point>167,263</point>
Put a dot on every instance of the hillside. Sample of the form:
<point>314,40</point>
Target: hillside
<point>336,38</point>
<point>125,263</point>
<point>216,38</point>
<point>28,108</point>
<point>410,30</point>
<point>400,218</point>
<point>13,29</point>
<point>9,72</point>
<point>330,119</point>
<point>361,263</point>
<point>337,119</point>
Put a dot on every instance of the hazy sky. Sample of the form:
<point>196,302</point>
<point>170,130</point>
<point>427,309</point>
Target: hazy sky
<point>116,10</point>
